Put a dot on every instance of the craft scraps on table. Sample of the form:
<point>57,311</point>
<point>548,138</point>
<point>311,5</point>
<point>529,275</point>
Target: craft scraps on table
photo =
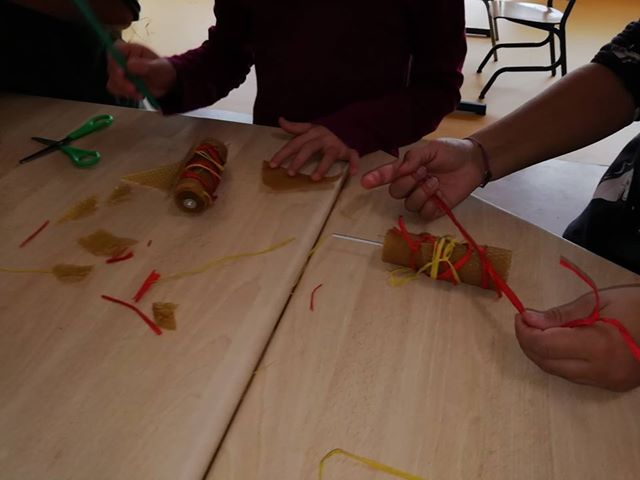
<point>120,257</point>
<point>82,209</point>
<point>139,312</point>
<point>313,297</point>
<point>372,464</point>
<point>218,262</point>
<point>161,178</point>
<point>152,278</point>
<point>64,273</point>
<point>120,194</point>
<point>164,315</point>
<point>71,273</point>
<point>34,234</point>
<point>104,244</point>
<point>277,179</point>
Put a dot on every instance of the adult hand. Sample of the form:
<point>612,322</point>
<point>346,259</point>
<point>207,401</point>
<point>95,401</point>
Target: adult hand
<point>155,71</point>
<point>310,139</point>
<point>450,167</point>
<point>594,355</point>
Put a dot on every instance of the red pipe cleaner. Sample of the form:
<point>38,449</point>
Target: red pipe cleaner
<point>216,166</point>
<point>34,234</point>
<point>146,285</point>
<point>500,284</point>
<point>120,257</point>
<point>146,319</point>
<point>592,318</point>
<point>313,296</point>
<point>414,247</point>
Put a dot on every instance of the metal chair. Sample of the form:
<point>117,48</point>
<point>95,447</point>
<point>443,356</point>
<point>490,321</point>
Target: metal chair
<point>541,17</point>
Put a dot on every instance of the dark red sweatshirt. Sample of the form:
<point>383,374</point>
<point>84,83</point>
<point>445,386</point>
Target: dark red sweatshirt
<point>343,64</point>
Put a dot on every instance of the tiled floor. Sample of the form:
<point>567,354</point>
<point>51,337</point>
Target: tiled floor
<point>549,195</point>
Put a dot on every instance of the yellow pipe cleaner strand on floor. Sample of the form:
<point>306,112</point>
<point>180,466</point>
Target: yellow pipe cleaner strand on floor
<point>442,251</point>
<point>369,463</point>
<point>220,261</point>
<point>20,270</point>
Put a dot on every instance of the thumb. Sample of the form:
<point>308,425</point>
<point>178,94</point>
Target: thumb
<point>558,316</point>
<point>295,128</point>
<point>382,175</point>
<point>413,160</point>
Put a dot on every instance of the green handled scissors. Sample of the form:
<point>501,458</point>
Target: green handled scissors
<point>80,158</point>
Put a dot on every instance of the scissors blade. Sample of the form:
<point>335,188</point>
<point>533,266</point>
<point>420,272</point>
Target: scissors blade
<point>80,158</point>
<point>46,141</point>
<point>357,239</point>
<point>41,153</point>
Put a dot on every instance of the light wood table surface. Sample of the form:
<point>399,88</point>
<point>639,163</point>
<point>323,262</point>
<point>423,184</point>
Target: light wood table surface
<point>427,377</point>
<point>87,391</point>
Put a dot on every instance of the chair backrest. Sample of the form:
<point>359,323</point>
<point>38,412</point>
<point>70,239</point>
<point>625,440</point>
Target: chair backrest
<point>567,10</point>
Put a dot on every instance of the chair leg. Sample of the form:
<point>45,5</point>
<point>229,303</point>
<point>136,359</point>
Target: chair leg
<point>491,81</point>
<point>499,72</point>
<point>486,58</point>
<point>510,45</point>
<point>492,34</point>
<point>563,52</point>
<point>492,30</point>
<point>495,28</point>
<point>552,48</point>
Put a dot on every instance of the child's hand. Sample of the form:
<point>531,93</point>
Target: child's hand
<point>594,355</point>
<point>311,139</point>
<point>449,166</point>
<point>156,72</point>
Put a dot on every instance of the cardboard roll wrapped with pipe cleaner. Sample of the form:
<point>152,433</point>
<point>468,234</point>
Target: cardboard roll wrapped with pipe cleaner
<point>441,258</point>
<point>200,176</point>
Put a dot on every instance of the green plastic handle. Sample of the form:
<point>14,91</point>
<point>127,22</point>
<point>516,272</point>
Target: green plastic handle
<point>93,125</point>
<point>81,158</point>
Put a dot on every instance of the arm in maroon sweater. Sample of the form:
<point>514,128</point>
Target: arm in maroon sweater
<point>397,118</point>
<point>405,115</point>
<point>215,68</point>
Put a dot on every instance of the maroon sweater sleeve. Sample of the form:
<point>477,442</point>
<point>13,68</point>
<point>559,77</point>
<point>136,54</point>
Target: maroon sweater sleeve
<point>403,116</point>
<point>208,73</point>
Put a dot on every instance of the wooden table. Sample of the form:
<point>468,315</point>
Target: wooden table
<point>428,377</point>
<point>86,389</point>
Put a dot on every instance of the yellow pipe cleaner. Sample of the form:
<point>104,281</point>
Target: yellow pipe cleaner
<point>442,251</point>
<point>220,261</point>
<point>205,155</point>
<point>369,463</point>
<point>203,167</point>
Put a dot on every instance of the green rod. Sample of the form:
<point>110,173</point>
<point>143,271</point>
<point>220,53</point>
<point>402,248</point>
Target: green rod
<point>107,41</point>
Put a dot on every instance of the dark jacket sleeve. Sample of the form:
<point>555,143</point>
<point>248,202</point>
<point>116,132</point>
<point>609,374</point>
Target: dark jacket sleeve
<point>209,72</point>
<point>403,116</point>
<point>622,56</point>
